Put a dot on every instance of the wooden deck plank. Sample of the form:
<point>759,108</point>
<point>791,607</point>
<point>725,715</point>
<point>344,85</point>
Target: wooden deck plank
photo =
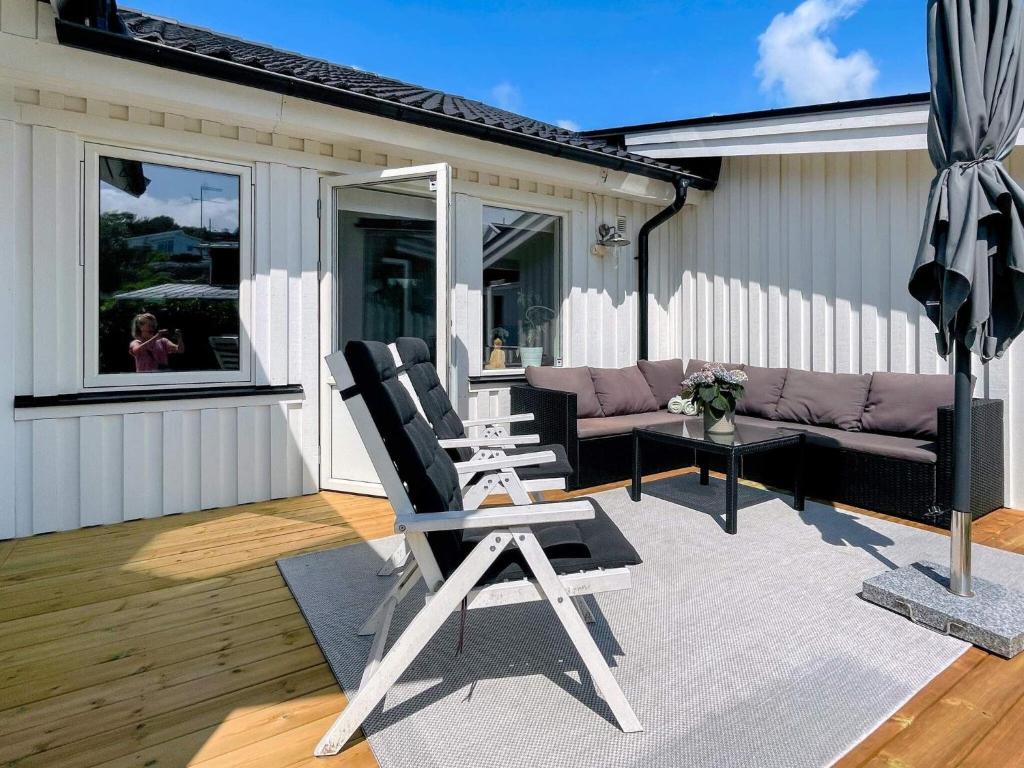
<point>174,641</point>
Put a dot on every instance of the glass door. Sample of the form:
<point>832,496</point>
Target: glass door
<point>385,273</point>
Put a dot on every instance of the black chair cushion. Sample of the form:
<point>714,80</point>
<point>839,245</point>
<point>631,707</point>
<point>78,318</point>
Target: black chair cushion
<point>560,467</point>
<point>441,414</point>
<point>581,545</point>
<point>422,464</point>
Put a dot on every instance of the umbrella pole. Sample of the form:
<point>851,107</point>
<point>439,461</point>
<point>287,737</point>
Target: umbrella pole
<point>960,520</point>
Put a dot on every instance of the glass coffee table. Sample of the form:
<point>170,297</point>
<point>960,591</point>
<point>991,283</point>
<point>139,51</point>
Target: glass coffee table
<point>748,439</point>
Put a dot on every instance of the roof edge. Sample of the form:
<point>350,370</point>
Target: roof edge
<point>101,41</point>
<point>907,99</point>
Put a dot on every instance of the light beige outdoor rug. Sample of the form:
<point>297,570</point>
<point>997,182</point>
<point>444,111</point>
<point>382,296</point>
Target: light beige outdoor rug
<point>746,650</point>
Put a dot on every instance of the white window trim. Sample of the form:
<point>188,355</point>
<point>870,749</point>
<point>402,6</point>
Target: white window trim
<point>564,215</point>
<point>91,200</point>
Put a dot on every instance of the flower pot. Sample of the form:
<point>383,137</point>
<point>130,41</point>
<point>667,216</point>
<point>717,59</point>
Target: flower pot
<point>723,426</point>
<point>530,356</point>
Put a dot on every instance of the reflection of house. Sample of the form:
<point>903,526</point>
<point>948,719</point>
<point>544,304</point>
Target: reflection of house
<point>180,292</point>
<point>172,242</point>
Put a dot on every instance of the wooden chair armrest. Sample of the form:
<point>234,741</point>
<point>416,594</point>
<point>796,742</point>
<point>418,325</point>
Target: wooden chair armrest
<point>510,419</point>
<point>490,442</point>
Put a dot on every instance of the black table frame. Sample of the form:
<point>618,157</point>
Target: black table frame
<point>703,448</point>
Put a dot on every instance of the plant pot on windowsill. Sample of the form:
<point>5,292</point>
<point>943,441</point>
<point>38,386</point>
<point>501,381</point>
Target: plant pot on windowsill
<point>531,356</point>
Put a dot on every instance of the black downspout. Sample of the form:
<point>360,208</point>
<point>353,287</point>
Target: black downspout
<point>682,186</point>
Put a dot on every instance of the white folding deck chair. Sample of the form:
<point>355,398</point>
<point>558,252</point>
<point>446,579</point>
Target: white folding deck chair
<point>493,440</point>
<point>415,471</point>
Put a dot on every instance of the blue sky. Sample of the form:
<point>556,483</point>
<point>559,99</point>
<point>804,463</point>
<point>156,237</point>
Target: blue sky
<point>597,63</point>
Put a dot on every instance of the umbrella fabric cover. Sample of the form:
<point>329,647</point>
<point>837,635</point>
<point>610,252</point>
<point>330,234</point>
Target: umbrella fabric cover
<point>969,271</point>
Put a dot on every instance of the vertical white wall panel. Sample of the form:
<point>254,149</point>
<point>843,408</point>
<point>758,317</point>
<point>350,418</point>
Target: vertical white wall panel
<point>8,522</point>
<point>142,441</point>
<point>829,240</point>
<point>55,475</point>
<point>102,467</point>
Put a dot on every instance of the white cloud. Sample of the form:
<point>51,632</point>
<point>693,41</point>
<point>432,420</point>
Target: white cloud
<point>507,96</point>
<point>799,63</point>
<point>569,125</point>
<point>222,213</point>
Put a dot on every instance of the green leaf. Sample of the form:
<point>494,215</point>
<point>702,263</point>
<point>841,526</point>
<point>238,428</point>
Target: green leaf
<point>720,404</point>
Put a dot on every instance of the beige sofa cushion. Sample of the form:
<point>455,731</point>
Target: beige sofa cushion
<point>906,403</point>
<point>664,377</point>
<point>762,391</point>
<point>576,380</point>
<point>824,399</point>
<point>621,425</point>
<point>893,446</point>
<point>622,391</point>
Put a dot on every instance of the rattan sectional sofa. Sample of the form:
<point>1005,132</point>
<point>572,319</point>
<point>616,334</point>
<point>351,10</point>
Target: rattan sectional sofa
<point>878,441</point>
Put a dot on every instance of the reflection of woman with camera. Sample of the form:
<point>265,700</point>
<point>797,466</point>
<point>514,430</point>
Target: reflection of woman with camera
<point>151,347</point>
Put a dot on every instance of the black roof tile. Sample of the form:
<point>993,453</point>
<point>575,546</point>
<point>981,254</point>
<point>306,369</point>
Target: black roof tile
<point>404,96</point>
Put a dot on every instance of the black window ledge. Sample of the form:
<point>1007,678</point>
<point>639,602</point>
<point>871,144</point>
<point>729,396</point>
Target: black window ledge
<point>154,395</point>
<point>497,378</point>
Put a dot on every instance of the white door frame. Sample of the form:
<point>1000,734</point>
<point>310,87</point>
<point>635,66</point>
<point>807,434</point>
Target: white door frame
<point>329,296</point>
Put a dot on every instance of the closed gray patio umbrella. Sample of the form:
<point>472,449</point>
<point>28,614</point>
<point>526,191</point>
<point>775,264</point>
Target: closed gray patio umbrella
<point>969,272</point>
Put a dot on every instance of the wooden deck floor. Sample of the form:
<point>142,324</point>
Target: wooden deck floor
<point>175,642</point>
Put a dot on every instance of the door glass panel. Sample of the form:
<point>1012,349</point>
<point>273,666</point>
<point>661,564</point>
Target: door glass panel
<point>387,262</point>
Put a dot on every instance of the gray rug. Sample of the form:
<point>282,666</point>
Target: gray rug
<point>746,650</point>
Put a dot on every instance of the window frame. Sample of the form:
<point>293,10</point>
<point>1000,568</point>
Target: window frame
<point>564,216</point>
<point>92,378</point>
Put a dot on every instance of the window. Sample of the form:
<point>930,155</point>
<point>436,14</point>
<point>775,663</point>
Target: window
<point>165,256</point>
<point>522,268</point>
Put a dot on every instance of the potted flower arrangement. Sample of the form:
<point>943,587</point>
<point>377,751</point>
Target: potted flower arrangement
<point>714,391</point>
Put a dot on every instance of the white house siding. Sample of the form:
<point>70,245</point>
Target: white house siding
<point>73,466</point>
<point>599,317</point>
<point>803,261</point>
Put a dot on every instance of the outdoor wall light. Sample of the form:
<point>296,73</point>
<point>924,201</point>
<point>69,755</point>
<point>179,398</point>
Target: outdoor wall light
<point>607,237</point>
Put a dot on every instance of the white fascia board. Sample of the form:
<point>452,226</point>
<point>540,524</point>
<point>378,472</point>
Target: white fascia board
<point>900,127</point>
<point>48,66</point>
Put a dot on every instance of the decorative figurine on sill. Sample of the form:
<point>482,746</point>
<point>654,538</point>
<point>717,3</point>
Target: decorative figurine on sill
<point>496,361</point>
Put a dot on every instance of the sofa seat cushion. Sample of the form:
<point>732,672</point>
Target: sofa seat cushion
<point>575,380</point>
<point>664,377</point>
<point>560,467</point>
<point>824,399</point>
<point>622,425</point>
<point>907,403</point>
<point>622,391</point>
<point>890,446</point>
<point>762,391</point>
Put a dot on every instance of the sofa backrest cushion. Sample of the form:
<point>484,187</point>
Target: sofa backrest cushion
<point>907,403</point>
<point>762,391</point>
<point>622,391</point>
<point>576,380</point>
<point>825,399</point>
<point>664,377</point>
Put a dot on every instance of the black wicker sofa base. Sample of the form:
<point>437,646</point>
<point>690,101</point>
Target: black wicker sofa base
<point>916,490</point>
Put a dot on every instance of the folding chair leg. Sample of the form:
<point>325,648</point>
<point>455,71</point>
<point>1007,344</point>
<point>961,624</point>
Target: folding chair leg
<point>398,591</point>
<point>585,613</point>
<point>397,560</point>
<point>380,640</point>
<point>412,641</point>
<point>552,588</point>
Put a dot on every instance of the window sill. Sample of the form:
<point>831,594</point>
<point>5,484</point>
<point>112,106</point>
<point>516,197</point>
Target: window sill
<point>510,376</point>
<point>156,395</point>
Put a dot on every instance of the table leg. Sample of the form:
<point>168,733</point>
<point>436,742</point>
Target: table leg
<point>798,476</point>
<point>731,492</point>
<point>702,462</point>
<point>634,488</point>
